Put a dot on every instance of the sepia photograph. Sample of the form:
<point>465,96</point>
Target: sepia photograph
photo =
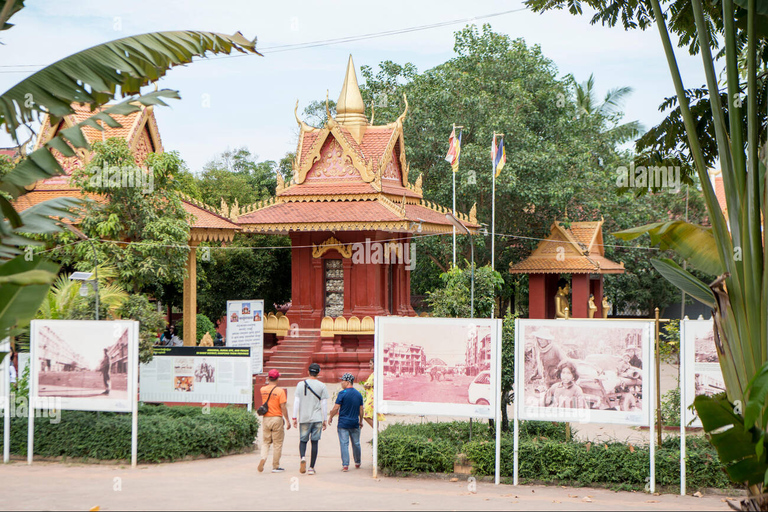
<point>437,361</point>
<point>83,362</point>
<point>584,371</point>
<point>701,365</point>
<point>204,371</point>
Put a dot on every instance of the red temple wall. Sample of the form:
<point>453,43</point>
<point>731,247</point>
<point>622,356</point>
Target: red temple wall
<point>366,281</point>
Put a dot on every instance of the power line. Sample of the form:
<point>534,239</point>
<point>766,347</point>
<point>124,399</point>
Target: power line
<point>324,42</point>
<point>398,239</point>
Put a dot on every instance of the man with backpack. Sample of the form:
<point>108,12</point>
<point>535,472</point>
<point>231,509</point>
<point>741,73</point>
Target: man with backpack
<point>310,409</point>
<point>273,434</point>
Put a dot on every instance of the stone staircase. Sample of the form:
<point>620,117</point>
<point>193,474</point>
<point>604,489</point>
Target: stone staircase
<point>292,356</point>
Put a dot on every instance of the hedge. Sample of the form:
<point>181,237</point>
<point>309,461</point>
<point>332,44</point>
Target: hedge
<point>165,434</point>
<point>546,457</point>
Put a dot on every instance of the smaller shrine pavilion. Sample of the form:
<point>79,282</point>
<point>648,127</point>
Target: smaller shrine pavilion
<point>574,249</point>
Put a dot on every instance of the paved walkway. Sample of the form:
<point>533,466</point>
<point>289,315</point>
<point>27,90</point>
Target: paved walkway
<point>234,483</point>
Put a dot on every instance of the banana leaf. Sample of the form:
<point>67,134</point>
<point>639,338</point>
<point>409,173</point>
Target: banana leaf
<point>741,450</point>
<point>693,243</point>
<point>684,280</point>
<point>19,303</point>
<point>93,76</point>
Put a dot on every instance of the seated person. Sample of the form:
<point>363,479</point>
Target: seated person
<point>566,393</point>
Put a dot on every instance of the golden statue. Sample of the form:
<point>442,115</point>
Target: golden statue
<point>606,307</point>
<point>561,299</point>
<point>207,341</point>
<point>592,307</point>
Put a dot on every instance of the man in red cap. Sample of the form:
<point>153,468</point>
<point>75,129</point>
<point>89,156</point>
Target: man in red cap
<point>272,423</point>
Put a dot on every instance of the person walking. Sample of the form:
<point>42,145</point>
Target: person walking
<point>369,396</point>
<point>349,407</point>
<point>104,369</point>
<point>272,425</point>
<point>310,408</point>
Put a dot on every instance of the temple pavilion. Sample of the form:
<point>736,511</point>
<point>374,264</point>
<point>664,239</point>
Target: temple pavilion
<point>140,130</point>
<point>350,212</point>
<point>574,249</point>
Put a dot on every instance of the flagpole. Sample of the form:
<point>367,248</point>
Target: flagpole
<point>493,217</point>
<point>453,171</point>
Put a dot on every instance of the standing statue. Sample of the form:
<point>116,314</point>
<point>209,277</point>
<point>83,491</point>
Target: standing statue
<point>592,307</point>
<point>561,299</point>
<point>606,307</point>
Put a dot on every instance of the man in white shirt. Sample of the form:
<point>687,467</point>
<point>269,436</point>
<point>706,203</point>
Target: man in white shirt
<point>310,408</point>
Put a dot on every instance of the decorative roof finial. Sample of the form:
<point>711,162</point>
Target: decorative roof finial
<point>402,116</point>
<point>350,109</point>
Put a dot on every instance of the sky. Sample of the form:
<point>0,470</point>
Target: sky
<point>248,101</point>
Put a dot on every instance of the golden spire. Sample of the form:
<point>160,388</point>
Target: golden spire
<point>350,109</point>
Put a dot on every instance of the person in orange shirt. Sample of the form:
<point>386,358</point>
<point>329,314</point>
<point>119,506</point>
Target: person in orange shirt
<point>273,423</point>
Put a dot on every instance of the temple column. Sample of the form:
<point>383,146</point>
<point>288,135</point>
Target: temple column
<point>579,295</point>
<point>190,298</point>
<point>537,296</point>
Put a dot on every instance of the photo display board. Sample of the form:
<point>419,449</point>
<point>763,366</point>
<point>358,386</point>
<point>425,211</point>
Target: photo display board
<point>83,365</point>
<point>586,371</point>
<point>440,366</point>
<point>245,328</point>
<point>220,375</point>
<point>701,365</point>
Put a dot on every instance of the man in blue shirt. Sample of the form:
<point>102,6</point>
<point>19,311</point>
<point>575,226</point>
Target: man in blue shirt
<point>349,407</point>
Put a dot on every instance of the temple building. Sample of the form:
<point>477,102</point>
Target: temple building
<point>140,131</point>
<point>350,212</point>
<point>574,249</point>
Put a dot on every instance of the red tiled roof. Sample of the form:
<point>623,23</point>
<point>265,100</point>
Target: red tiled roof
<point>202,218</point>
<point>288,216</point>
<point>314,212</point>
<point>720,193</point>
<point>320,187</point>
<point>577,249</point>
<point>206,219</point>
<point>36,197</point>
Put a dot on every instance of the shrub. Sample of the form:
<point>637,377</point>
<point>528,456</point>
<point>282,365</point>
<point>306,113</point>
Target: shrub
<point>165,434</point>
<point>204,325</point>
<point>138,307</point>
<point>670,407</point>
<point>546,457</point>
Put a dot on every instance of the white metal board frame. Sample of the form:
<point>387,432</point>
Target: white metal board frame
<point>244,330</point>
<point>86,329</point>
<point>690,330</point>
<point>534,413</point>
<point>492,411</point>
<point>435,326</point>
<point>5,399</point>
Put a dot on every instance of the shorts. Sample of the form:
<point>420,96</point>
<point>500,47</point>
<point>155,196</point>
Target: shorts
<point>310,431</point>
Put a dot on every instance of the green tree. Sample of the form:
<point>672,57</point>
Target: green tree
<point>453,298</point>
<point>562,156</point>
<point>251,267</point>
<point>146,227</point>
<point>236,175</point>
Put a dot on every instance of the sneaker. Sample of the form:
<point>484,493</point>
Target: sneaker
<point>261,465</point>
<point>311,471</point>
<point>345,468</point>
<point>303,466</point>
<point>357,466</point>
<point>278,470</point>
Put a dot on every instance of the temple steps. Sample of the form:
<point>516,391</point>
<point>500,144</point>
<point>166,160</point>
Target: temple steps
<point>292,356</point>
